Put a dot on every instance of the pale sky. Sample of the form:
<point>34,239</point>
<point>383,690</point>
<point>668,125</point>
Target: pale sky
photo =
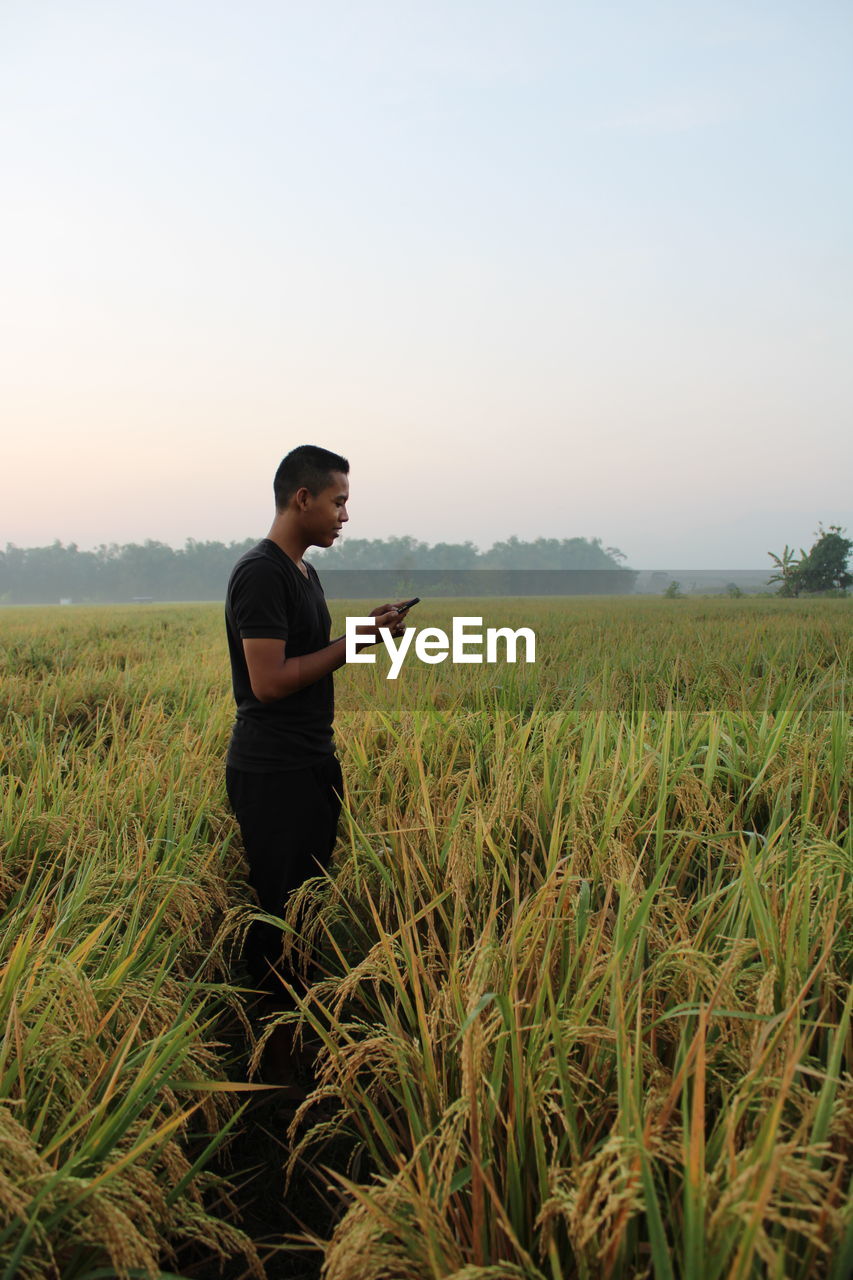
<point>537,268</point>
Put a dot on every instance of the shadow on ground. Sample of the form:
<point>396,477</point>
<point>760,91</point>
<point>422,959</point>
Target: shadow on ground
<point>254,1162</point>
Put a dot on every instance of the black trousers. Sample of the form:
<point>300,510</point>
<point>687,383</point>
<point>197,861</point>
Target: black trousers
<point>289,822</point>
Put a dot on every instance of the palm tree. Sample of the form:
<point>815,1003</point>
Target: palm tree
<point>788,568</point>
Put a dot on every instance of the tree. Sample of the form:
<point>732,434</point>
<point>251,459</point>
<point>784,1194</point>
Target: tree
<point>824,568</point>
<point>786,566</point>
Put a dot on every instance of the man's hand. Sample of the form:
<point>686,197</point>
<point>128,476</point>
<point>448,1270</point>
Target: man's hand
<point>273,675</point>
<point>386,615</point>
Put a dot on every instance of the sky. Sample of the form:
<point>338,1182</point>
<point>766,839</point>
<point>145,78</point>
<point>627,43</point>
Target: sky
<point>537,269</point>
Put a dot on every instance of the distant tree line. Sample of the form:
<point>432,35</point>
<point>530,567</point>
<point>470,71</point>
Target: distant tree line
<point>45,575</point>
<point>199,570</point>
<point>409,554</point>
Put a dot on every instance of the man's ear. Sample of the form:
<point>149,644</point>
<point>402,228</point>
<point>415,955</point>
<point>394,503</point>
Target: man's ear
<point>302,495</point>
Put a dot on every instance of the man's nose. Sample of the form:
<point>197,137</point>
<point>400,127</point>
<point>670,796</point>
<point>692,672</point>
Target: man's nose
<point>344,515</point>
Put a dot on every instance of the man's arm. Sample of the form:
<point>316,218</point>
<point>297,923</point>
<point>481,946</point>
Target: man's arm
<point>273,675</point>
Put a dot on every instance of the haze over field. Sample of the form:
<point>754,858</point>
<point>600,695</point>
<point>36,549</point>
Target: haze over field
<point>546,270</point>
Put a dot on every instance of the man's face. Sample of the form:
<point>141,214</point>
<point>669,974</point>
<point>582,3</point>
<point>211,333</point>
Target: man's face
<point>326,514</point>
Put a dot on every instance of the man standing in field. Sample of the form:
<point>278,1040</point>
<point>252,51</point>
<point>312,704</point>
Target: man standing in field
<point>282,774</point>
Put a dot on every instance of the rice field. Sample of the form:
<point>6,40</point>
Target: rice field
<point>586,951</point>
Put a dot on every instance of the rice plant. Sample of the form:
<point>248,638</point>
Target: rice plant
<point>586,948</point>
<point>587,1005</point>
<point>114,875</point>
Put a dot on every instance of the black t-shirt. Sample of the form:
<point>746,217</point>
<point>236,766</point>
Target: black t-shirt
<point>269,598</point>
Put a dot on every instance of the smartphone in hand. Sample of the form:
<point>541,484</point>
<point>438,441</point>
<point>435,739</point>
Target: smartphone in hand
<point>401,608</point>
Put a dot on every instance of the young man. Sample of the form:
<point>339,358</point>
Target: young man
<point>282,775</point>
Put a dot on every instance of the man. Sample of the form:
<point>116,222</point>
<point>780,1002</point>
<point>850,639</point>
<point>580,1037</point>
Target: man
<point>282,775</point>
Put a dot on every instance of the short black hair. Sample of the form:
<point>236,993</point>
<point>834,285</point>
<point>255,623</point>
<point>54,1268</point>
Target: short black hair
<point>309,467</point>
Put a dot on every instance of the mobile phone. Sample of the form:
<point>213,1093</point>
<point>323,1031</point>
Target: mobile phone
<point>401,608</point>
